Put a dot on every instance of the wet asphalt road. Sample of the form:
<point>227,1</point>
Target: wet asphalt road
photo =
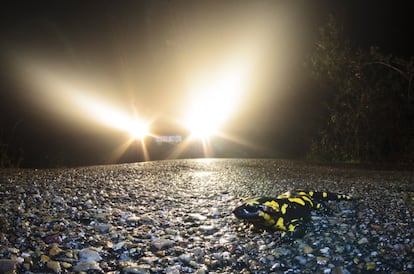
<point>175,217</point>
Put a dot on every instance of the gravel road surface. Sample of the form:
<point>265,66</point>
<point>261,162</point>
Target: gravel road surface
<point>176,217</point>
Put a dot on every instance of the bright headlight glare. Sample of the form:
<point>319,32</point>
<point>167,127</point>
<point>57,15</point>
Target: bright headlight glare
<point>215,97</point>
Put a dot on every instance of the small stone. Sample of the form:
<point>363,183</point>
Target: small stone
<point>13,250</point>
<point>19,260</point>
<point>201,271</point>
<point>160,253</point>
<point>150,259</point>
<point>337,270</point>
<point>377,227</point>
<point>363,241</point>
<point>44,258</point>
<point>301,260</point>
<point>103,227</point>
<point>185,258</point>
<point>101,216</point>
<point>55,250</point>
<point>136,269</point>
<point>325,250</point>
<point>65,265</point>
<point>159,244</point>
<point>53,239</point>
<point>133,219</point>
<point>85,266</point>
<point>215,212</point>
<point>147,219</point>
<point>7,265</point>
<point>307,249</point>
<point>59,200</point>
<point>197,217</point>
<point>89,255</point>
<point>208,229</point>
<point>119,245</point>
<point>25,254</point>
<point>27,266</point>
<point>370,266</point>
<point>55,266</point>
<point>172,270</point>
<point>282,251</point>
<point>170,231</point>
<point>322,260</point>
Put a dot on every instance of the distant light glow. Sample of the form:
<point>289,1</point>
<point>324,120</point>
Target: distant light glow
<point>109,116</point>
<point>203,128</point>
<point>215,97</point>
<point>82,105</point>
<point>139,130</point>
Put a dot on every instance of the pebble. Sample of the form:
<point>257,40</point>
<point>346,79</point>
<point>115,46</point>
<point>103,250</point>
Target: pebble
<point>325,250</point>
<point>44,258</point>
<point>133,219</point>
<point>55,250</point>
<point>322,260</point>
<point>161,243</point>
<point>104,227</point>
<point>66,265</point>
<point>197,217</point>
<point>362,241</point>
<point>7,265</point>
<point>208,229</point>
<point>85,266</point>
<point>89,255</point>
<point>54,266</point>
<point>53,239</point>
<point>301,260</point>
<point>307,249</point>
<point>119,245</point>
<point>137,269</point>
<point>185,258</point>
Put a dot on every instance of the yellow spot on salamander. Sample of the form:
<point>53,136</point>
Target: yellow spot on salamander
<point>272,204</point>
<point>324,194</point>
<point>268,219</point>
<point>284,207</point>
<point>280,224</point>
<point>343,196</point>
<point>308,199</point>
<point>284,195</point>
<point>291,227</point>
<point>297,200</point>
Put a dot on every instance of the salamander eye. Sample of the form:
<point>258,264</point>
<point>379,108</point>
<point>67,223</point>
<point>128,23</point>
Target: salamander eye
<point>251,208</point>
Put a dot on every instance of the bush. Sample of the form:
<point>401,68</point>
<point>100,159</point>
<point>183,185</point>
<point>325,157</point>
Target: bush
<point>367,101</point>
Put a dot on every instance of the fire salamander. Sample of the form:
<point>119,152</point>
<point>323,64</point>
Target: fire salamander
<point>288,212</point>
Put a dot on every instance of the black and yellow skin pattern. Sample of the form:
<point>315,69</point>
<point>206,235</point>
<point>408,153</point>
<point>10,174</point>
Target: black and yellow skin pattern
<point>289,212</point>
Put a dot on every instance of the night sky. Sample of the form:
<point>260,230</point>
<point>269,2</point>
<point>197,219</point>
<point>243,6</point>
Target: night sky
<point>74,74</point>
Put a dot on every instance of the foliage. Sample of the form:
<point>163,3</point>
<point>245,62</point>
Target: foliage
<point>8,160</point>
<point>10,157</point>
<point>367,100</point>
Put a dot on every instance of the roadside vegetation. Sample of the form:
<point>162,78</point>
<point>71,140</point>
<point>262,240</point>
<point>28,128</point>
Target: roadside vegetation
<point>367,102</point>
<point>9,155</point>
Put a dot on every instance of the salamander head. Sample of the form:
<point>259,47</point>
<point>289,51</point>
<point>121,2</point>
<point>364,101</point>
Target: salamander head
<point>257,211</point>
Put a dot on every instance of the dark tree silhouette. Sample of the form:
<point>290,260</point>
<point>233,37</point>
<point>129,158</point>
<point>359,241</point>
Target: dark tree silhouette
<point>367,100</point>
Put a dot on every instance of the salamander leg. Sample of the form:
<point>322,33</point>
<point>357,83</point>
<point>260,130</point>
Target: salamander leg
<point>296,229</point>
